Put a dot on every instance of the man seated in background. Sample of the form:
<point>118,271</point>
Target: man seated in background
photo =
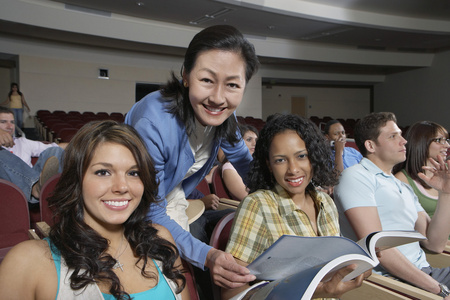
<point>16,154</point>
<point>344,157</point>
<point>370,198</point>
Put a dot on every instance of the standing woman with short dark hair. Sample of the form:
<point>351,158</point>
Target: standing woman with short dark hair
<point>16,101</point>
<point>186,123</point>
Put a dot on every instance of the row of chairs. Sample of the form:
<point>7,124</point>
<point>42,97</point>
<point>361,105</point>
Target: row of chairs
<point>258,123</point>
<point>348,124</point>
<point>59,126</point>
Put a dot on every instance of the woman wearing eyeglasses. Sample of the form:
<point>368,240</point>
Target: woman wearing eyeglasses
<point>426,140</point>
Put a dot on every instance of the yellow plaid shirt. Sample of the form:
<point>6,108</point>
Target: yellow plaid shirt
<point>264,216</point>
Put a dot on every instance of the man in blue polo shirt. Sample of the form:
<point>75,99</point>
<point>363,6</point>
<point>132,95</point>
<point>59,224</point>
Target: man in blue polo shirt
<point>369,198</point>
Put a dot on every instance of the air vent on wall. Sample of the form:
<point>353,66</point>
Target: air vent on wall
<point>103,74</point>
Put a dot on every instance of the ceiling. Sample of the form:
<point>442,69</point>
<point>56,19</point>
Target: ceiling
<point>353,24</point>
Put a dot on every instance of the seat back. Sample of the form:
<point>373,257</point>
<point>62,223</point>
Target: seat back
<point>190,280</point>
<point>351,143</point>
<point>46,192</point>
<point>66,134</point>
<point>14,216</point>
<point>203,187</point>
<point>219,240</point>
<point>218,185</point>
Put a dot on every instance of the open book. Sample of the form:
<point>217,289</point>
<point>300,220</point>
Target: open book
<point>293,266</point>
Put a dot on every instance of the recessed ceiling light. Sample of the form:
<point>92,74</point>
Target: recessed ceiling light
<point>140,3</point>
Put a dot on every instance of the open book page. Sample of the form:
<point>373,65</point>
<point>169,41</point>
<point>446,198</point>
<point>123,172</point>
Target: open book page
<point>255,286</point>
<point>293,254</point>
<point>302,285</point>
<point>296,265</point>
<point>382,240</point>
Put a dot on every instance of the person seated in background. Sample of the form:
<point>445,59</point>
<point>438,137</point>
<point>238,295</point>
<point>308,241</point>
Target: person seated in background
<point>101,246</point>
<point>290,159</point>
<point>425,140</point>
<point>203,227</point>
<point>370,198</point>
<point>231,178</point>
<point>16,154</point>
<point>343,157</point>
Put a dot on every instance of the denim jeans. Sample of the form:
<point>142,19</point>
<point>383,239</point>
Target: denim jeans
<point>15,170</point>
<point>18,116</point>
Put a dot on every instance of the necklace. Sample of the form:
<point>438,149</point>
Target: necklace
<point>118,264</point>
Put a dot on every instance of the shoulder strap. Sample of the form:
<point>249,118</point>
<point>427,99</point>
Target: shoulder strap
<point>172,284</point>
<point>90,292</point>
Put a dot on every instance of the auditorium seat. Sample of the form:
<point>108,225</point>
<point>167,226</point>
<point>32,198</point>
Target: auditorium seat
<point>218,186</point>
<point>14,217</point>
<point>219,240</point>
<point>46,191</point>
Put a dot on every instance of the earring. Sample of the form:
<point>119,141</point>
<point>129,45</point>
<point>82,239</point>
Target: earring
<point>185,84</point>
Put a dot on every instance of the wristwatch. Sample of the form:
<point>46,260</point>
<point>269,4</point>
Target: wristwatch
<point>444,290</point>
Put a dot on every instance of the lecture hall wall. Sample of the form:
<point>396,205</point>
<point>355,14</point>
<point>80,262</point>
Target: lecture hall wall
<point>418,95</point>
<point>62,76</point>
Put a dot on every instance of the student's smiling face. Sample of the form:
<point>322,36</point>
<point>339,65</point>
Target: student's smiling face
<point>436,148</point>
<point>289,162</point>
<point>112,188</point>
<point>216,85</point>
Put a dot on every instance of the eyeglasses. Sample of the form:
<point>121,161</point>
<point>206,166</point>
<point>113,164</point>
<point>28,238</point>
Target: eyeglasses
<point>441,141</point>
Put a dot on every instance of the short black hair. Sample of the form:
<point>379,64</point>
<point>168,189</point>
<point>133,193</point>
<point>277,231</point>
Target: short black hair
<point>330,123</point>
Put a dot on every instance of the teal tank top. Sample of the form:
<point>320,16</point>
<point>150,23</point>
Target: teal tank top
<point>160,291</point>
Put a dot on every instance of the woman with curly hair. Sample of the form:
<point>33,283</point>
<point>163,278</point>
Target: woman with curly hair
<point>101,246</point>
<point>291,158</point>
<point>426,140</point>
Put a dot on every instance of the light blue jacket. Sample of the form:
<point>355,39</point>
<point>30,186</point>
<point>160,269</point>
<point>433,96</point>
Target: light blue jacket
<point>168,144</point>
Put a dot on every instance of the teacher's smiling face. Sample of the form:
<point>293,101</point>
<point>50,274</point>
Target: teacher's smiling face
<point>216,85</point>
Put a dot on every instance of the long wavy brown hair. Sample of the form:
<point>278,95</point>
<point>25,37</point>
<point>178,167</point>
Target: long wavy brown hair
<point>83,249</point>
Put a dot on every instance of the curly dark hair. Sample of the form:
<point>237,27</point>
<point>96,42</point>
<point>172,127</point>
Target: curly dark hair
<point>83,249</point>
<point>319,153</point>
<point>219,37</point>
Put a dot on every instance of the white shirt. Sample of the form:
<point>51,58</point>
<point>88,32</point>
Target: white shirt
<point>25,149</point>
<point>201,142</point>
